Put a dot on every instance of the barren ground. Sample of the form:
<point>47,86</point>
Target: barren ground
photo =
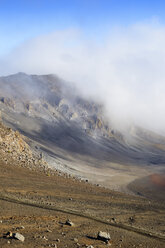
<point>42,203</point>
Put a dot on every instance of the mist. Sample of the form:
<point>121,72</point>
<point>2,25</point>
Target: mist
<point>125,69</point>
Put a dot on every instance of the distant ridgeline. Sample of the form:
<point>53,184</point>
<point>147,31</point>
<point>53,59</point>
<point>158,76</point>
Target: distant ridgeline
<point>51,111</point>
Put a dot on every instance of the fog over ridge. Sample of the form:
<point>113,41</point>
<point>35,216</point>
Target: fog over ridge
<point>126,70</point>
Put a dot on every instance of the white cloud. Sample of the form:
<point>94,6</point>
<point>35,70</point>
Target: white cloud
<point>126,70</point>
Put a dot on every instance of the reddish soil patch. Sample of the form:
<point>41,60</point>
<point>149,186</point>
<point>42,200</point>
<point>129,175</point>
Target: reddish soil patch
<point>158,180</point>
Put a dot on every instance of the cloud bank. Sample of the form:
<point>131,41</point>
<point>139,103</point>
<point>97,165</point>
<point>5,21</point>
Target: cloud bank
<point>125,69</point>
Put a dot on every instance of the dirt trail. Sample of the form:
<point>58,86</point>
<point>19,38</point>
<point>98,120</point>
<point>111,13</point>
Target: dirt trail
<point>39,202</point>
<point>79,214</point>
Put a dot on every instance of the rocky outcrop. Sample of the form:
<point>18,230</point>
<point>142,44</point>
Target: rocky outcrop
<point>48,109</point>
<point>50,97</point>
<point>14,148</point>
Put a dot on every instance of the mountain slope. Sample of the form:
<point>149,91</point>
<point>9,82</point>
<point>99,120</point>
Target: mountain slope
<point>73,133</point>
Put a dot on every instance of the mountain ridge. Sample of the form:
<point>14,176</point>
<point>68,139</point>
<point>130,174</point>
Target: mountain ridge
<point>73,132</point>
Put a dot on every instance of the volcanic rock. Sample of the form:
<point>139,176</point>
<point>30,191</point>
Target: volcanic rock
<point>19,236</point>
<point>104,236</point>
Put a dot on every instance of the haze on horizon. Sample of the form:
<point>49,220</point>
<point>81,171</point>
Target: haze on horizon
<point>112,51</point>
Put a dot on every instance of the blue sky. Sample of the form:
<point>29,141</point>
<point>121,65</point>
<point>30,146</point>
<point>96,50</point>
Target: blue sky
<point>21,20</point>
<point>112,49</point>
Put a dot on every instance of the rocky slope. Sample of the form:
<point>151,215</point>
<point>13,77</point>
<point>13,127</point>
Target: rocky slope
<point>51,98</point>
<point>13,147</point>
<point>38,207</point>
<point>47,108</point>
<point>73,133</point>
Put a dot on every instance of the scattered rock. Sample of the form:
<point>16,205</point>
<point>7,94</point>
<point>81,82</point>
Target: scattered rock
<point>1,221</point>
<point>44,238</point>
<point>75,240</point>
<point>104,236</point>
<point>131,219</point>
<point>113,219</point>
<point>20,227</point>
<point>8,235</point>
<point>19,236</point>
<point>90,246</point>
<point>69,223</point>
